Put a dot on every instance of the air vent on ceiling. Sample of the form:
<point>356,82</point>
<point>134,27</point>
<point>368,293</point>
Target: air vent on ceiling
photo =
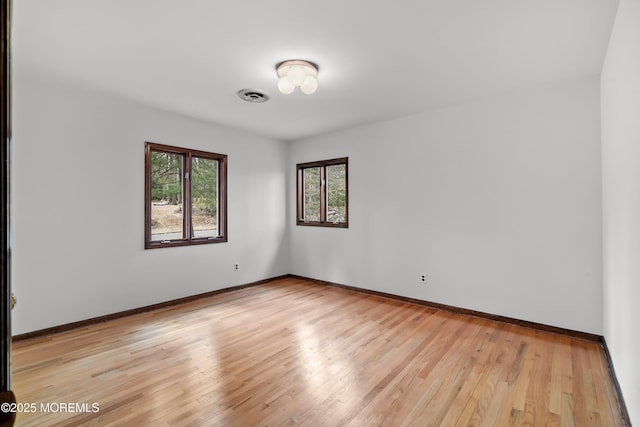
<point>253,96</point>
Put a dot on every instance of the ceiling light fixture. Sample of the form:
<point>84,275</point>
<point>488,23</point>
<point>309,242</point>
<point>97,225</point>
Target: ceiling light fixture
<point>297,73</point>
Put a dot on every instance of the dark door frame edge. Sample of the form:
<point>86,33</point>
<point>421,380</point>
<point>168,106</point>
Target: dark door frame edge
<point>7,417</point>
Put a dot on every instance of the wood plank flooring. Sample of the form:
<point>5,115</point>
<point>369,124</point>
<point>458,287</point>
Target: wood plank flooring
<point>292,352</point>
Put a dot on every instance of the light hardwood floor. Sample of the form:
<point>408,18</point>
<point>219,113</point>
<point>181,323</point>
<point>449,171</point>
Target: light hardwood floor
<point>292,352</point>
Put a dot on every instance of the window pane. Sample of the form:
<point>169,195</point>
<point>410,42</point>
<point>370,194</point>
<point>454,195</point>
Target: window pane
<point>166,196</point>
<point>311,194</point>
<point>204,196</point>
<point>336,193</point>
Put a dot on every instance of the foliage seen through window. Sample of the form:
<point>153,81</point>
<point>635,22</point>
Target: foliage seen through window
<point>185,196</point>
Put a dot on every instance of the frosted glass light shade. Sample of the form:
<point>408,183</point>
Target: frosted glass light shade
<point>309,85</point>
<point>297,73</point>
<point>285,86</point>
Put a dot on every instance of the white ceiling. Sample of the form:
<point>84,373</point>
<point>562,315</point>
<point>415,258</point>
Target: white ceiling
<point>377,59</point>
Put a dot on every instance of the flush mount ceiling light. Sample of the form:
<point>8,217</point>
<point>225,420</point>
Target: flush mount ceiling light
<point>297,73</point>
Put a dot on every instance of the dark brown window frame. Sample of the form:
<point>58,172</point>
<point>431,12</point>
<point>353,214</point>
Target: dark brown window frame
<point>323,194</point>
<point>187,226</point>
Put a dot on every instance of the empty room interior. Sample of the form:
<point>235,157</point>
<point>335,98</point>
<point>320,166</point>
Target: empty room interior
<point>325,213</point>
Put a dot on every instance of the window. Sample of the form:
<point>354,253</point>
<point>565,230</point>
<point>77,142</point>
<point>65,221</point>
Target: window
<point>185,196</point>
<point>322,189</point>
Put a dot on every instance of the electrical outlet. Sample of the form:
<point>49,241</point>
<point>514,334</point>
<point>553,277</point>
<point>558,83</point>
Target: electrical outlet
<point>423,277</point>
<point>236,267</point>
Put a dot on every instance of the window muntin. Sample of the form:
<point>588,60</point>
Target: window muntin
<point>185,196</point>
<point>322,193</point>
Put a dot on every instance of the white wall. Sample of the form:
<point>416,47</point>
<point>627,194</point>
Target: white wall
<point>78,206</point>
<point>498,201</point>
<point>620,86</point>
